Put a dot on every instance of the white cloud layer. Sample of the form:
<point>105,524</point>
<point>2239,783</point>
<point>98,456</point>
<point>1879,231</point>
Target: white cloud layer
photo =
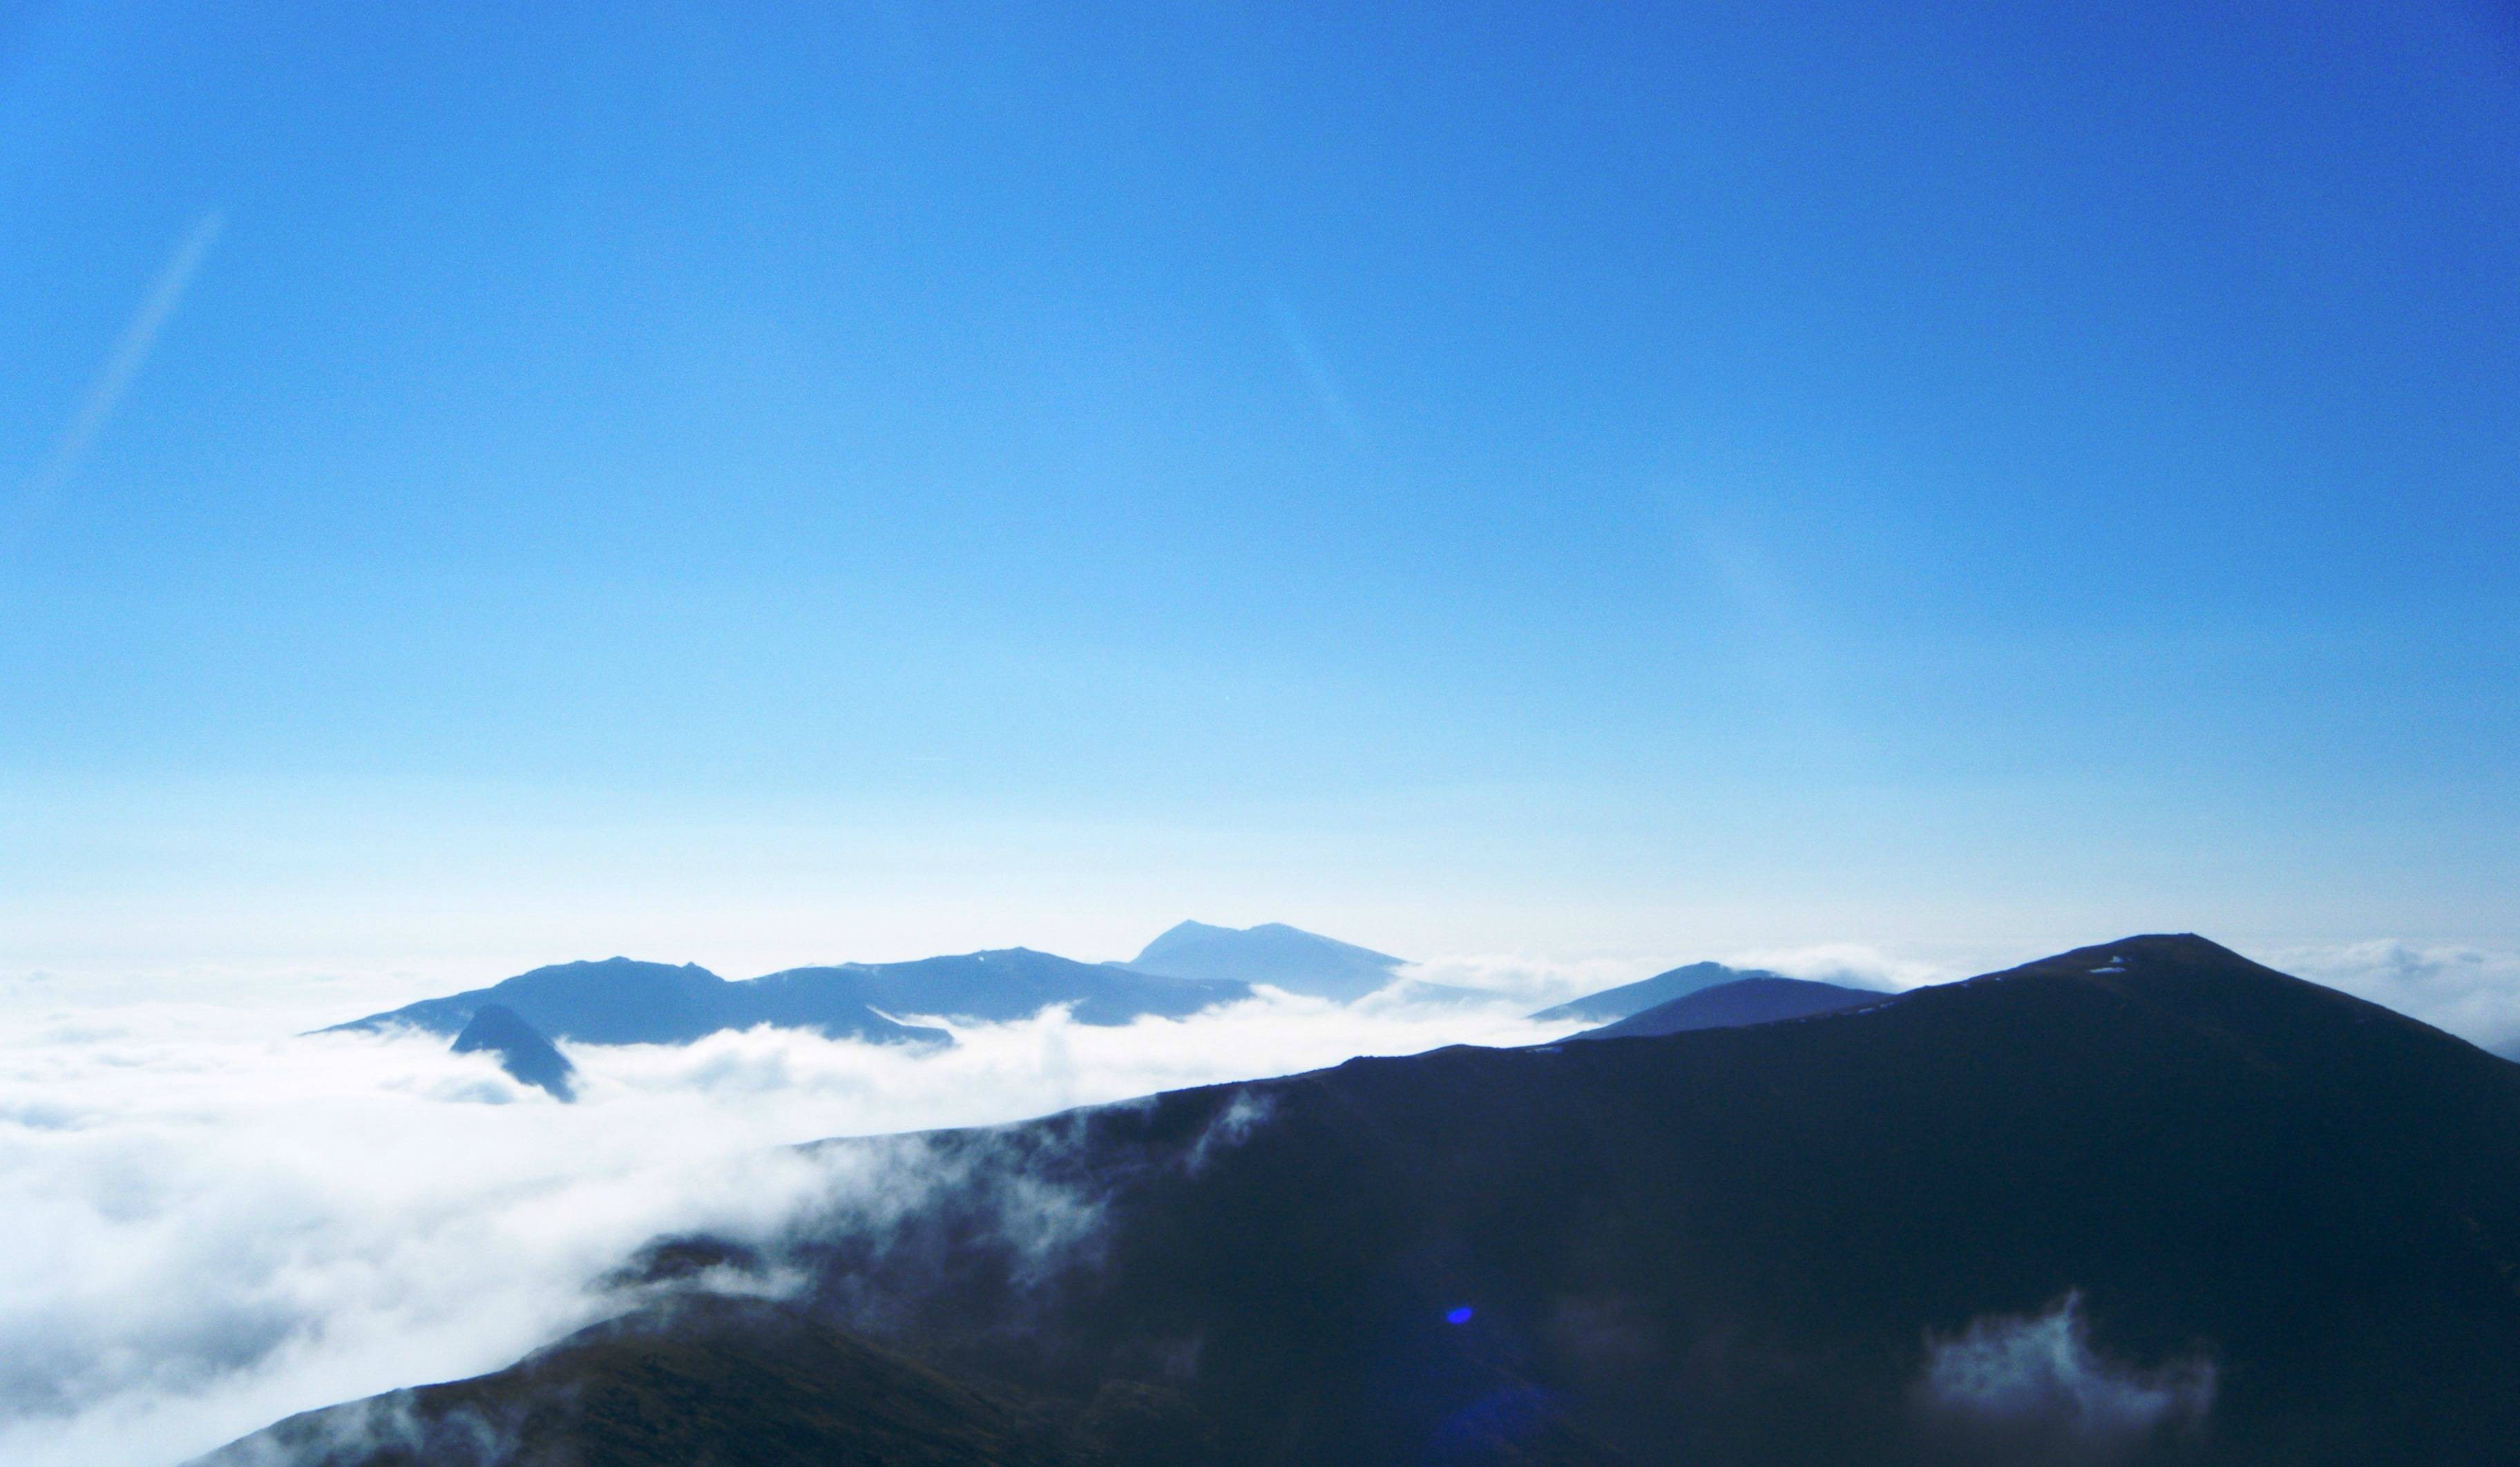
<point>1851,963</point>
<point>2473,992</point>
<point>212,1221</point>
<point>1527,978</point>
<point>1543,980</point>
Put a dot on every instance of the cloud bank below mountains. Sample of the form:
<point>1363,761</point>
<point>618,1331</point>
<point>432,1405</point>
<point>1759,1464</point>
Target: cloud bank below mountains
<point>2473,992</point>
<point>214,1222</point>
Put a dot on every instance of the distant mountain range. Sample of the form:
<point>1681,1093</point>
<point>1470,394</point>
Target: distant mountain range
<point>1626,999</point>
<point>2146,1202</point>
<point>623,1001</point>
<point>1190,967</point>
<point>1744,1001</point>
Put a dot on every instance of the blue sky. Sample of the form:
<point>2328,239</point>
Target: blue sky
<point>482,485</point>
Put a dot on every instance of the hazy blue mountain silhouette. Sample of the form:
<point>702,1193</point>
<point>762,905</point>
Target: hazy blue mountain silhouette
<point>521,1051</point>
<point>1014,982</point>
<point>1744,1001</point>
<point>1731,1247</point>
<point>1635,997</point>
<point>622,1002</point>
<point>1273,952</point>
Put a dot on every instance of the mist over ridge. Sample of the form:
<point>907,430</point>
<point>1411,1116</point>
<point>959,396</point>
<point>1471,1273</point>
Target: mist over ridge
<point>1925,1294</point>
<point>255,1219</point>
<point>391,1134</point>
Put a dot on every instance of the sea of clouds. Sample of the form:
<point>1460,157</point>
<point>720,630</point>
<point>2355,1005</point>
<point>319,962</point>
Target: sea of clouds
<point>212,1219</point>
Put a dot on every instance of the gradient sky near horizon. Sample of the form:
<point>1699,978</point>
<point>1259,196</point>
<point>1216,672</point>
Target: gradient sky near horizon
<point>499,484</point>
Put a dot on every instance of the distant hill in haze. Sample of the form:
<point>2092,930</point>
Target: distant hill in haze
<point>1744,1001</point>
<point>1273,952</point>
<point>2142,1202</point>
<point>495,1029</point>
<point>622,1002</point>
<point>1017,983</point>
<point>1635,997</point>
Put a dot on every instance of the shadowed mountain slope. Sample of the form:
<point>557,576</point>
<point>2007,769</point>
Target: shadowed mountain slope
<point>1274,953</point>
<point>523,1053</point>
<point>2288,1220</point>
<point>1744,1001</point>
<point>621,1002</point>
<point>674,1385</point>
<point>1614,1004</point>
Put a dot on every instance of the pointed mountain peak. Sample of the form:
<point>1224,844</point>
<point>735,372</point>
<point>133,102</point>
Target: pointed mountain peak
<point>1182,932</point>
<point>1271,953</point>
<point>521,1049</point>
<point>2145,954</point>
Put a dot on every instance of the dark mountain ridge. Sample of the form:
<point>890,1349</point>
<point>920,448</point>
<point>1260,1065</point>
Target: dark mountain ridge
<point>668,1386</point>
<point>1741,1246</point>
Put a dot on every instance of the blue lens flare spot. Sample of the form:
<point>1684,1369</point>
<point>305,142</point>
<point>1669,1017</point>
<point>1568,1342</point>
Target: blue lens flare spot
<point>1459,1315</point>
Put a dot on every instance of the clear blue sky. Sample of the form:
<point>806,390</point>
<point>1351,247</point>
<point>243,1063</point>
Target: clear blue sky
<point>536,481</point>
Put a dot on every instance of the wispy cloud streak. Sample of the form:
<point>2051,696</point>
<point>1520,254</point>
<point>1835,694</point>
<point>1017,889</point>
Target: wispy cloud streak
<point>1315,370</point>
<point>130,352</point>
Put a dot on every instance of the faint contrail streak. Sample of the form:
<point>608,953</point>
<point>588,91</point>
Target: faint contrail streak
<point>131,351</point>
<point>1317,378</point>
